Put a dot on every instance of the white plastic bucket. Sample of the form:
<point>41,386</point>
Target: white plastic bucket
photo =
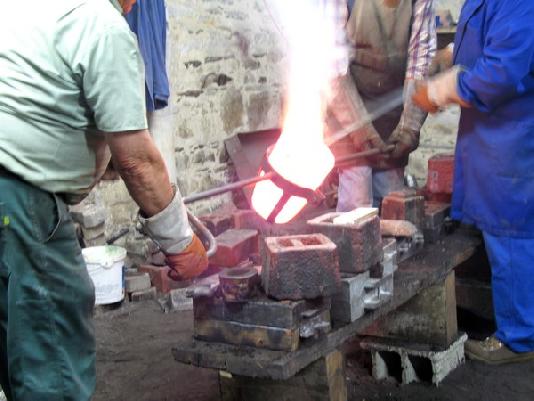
<point>104,264</point>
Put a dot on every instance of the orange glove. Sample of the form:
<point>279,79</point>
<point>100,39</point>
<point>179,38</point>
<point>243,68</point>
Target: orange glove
<point>189,263</point>
<point>421,99</point>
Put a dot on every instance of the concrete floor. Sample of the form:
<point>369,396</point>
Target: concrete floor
<point>134,363</point>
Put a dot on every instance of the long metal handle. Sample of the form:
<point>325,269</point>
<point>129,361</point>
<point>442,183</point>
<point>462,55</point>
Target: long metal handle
<point>244,183</point>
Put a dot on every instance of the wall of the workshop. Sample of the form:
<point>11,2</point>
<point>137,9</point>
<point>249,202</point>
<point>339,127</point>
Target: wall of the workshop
<point>225,64</point>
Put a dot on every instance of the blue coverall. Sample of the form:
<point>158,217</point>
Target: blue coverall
<point>494,172</point>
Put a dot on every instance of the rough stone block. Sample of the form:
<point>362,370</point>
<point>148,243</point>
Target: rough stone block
<point>299,267</point>
<point>88,215</point>
<point>145,295</point>
<point>440,174</point>
<point>358,243</point>
<point>137,282</point>
<point>94,232</point>
<point>160,278</point>
<point>97,241</point>
<point>408,364</point>
<point>347,304</point>
<point>404,205</point>
<point>233,246</point>
<point>217,223</point>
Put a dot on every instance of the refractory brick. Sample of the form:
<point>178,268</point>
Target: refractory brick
<point>299,267</point>
<point>233,246</point>
<point>440,174</point>
<point>404,205</point>
<point>359,244</point>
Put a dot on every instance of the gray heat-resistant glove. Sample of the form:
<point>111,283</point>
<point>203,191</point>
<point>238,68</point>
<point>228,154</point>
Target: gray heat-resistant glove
<point>405,137</point>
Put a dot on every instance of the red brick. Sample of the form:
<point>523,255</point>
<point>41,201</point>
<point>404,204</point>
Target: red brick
<point>233,246</point>
<point>300,267</point>
<point>404,205</point>
<point>438,198</point>
<point>160,279</point>
<point>440,174</point>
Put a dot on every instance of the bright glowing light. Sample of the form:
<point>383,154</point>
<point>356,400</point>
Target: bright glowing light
<point>300,155</point>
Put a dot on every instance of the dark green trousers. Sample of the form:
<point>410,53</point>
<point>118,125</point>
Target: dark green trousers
<point>47,346</point>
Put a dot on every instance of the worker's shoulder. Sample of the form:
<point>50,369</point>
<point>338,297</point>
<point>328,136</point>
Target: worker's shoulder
<point>97,15</point>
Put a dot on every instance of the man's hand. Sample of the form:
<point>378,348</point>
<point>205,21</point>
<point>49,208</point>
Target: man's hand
<point>367,138</point>
<point>439,91</point>
<point>189,263</point>
<point>405,141</point>
<point>421,99</point>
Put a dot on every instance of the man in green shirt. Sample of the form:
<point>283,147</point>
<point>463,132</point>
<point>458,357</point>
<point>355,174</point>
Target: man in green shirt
<point>71,97</point>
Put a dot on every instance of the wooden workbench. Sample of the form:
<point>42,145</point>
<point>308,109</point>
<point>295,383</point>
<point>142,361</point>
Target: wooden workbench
<point>431,266</point>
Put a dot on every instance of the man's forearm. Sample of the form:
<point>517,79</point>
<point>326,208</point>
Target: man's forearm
<point>142,168</point>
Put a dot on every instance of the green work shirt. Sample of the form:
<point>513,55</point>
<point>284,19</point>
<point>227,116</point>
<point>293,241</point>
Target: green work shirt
<point>69,70</point>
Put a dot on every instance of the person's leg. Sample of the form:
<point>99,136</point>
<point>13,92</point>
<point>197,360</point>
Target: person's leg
<point>50,297</point>
<point>354,188</point>
<point>512,265</point>
<point>385,182</point>
<point>4,373</point>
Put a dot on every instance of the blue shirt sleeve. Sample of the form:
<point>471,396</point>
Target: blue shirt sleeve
<point>507,63</point>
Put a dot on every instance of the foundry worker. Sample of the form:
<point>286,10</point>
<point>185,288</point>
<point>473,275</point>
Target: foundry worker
<point>71,83</point>
<point>493,82</point>
<point>393,42</point>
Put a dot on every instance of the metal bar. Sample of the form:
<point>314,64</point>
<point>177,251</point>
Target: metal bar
<point>227,188</point>
<point>243,183</point>
<point>386,104</point>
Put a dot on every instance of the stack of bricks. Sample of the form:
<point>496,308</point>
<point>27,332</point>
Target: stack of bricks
<point>299,274</point>
<point>404,205</point>
<point>138,286</point>
<point>91,220</point>
<point>359,246</point>
<point>438,195</point>
<point>159,277</point>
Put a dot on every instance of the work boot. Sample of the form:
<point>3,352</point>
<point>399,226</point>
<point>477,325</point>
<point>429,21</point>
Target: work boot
<point>494,352</point>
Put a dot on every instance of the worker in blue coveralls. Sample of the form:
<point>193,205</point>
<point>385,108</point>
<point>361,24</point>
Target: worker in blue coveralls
<point>493,82</point>
<point>71,94</point>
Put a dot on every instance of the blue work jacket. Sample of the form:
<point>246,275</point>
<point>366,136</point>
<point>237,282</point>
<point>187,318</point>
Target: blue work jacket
<point>494,168</point>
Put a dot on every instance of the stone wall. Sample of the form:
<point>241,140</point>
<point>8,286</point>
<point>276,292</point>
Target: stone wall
<point>225,67</point>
